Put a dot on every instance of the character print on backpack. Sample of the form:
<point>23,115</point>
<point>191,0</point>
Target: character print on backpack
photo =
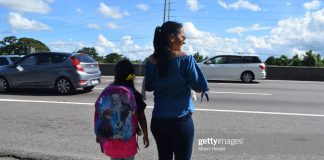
<point>116,111</point>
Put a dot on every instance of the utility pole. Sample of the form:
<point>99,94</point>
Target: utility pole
<point>169,11</point>
<point>166,9</point>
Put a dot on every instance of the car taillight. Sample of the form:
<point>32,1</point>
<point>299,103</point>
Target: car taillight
<point>262,66</point>
<point>76,64</point>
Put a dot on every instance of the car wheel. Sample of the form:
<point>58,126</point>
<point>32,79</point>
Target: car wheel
<point>247,77</point>
<point>4,86</point>
<point>88,88</point>
<point>63,86</point>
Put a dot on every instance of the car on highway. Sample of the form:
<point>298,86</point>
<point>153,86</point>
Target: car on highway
<point>64,72</point>
<point>244,67</point>
<point>8,59</point>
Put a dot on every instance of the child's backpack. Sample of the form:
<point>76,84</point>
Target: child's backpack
<point>115,113</point>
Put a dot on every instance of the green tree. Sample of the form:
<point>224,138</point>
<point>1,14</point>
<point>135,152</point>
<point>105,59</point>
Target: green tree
<point>295,61</point>
<point>309,59</point>
<point>12,45</point>
<point>270,61</point>
<point>91,51</point>
<point>319,60</point>
<point>25,44</point>
<point>198,57</point>
<point>113,57</point>
<point>9,45</point>
<point>283,61</point>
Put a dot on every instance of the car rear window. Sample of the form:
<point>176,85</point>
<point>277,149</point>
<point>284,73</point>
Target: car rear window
<point>251,59</point>
<point>84,58</point>
<point>3,61</point>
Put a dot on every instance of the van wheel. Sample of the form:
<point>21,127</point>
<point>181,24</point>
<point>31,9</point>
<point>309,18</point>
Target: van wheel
<point>88,88</point>
<point>4,85</point>
<point>63,86</point>
<point>247,77</point>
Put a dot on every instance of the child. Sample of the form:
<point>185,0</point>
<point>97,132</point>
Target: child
<point>115,132</point>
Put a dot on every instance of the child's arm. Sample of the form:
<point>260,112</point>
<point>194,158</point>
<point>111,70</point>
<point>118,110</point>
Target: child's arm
<point>143,124</point>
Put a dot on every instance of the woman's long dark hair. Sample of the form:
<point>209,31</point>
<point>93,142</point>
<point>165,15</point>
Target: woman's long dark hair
<point>162,51</point>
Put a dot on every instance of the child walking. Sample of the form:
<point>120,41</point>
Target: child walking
<point>119,110</point>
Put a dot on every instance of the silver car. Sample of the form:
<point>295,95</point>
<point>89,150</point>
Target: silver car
<point>63,72</point>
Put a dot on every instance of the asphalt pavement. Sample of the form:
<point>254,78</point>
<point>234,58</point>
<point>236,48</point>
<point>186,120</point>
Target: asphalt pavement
<point>266,120</point>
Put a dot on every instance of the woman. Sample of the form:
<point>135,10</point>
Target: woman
<point>171,74</point>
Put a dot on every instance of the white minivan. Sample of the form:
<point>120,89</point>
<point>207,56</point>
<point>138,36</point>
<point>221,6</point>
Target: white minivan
<point>242,67</point>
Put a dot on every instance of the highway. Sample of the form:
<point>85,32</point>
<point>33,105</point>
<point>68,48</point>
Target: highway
<point>265,120</point>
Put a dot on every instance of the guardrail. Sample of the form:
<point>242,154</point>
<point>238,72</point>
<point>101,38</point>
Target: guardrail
<point>273,72</point>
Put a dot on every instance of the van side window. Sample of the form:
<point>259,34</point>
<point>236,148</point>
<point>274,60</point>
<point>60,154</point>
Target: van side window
<point>251,59</point>
<point>233,59</point>
<point>218,60</point>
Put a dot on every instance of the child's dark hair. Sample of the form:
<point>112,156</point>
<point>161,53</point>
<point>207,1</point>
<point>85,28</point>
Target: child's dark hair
<point>123,69</point>
<point>162,51</point>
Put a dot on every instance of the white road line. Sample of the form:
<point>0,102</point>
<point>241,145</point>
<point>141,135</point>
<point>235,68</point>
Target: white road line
<point>243,93</point>
<point>237,84</point>
<point>198,109</point>
<point>36,101</point>
<point>257,112</point>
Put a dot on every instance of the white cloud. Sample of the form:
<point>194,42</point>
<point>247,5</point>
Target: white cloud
<point>100,50</point>
<point>93,26</point>
<point>306,32</point>
<point>111,12</point>
<point>112,25</point>
<point>79,10</point>
<point>258,42</point>
<point>34,6</point>
<point>127,40</point>
<point>240,30</point>
<point>66,46</point>
<point>126,13</point>
<point>288,3</point>
<point>142,7</point>
<point>21,23</point>
<point>208,44</point>
<point>102,40</point>
<point>193,5</point>
<point>315,4</point>
<point>244,4</point>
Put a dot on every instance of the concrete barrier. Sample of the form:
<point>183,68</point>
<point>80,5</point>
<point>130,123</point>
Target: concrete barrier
<point>273,72</point>
<point>295,73</point>
<point>108,69</point>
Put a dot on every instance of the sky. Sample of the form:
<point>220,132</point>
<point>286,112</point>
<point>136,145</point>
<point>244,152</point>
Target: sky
<point>262,27</point>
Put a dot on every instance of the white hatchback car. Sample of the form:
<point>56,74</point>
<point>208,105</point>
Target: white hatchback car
<point>242,67</point>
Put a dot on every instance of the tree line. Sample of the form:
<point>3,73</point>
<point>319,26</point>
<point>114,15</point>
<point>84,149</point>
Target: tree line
<point>308,59</point>
<point>23,46</point>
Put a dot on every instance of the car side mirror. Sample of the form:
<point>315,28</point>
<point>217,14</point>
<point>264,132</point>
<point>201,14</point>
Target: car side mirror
<point>208,62</point>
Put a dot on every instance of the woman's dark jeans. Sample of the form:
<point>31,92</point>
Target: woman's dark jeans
<point>173,136</point>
